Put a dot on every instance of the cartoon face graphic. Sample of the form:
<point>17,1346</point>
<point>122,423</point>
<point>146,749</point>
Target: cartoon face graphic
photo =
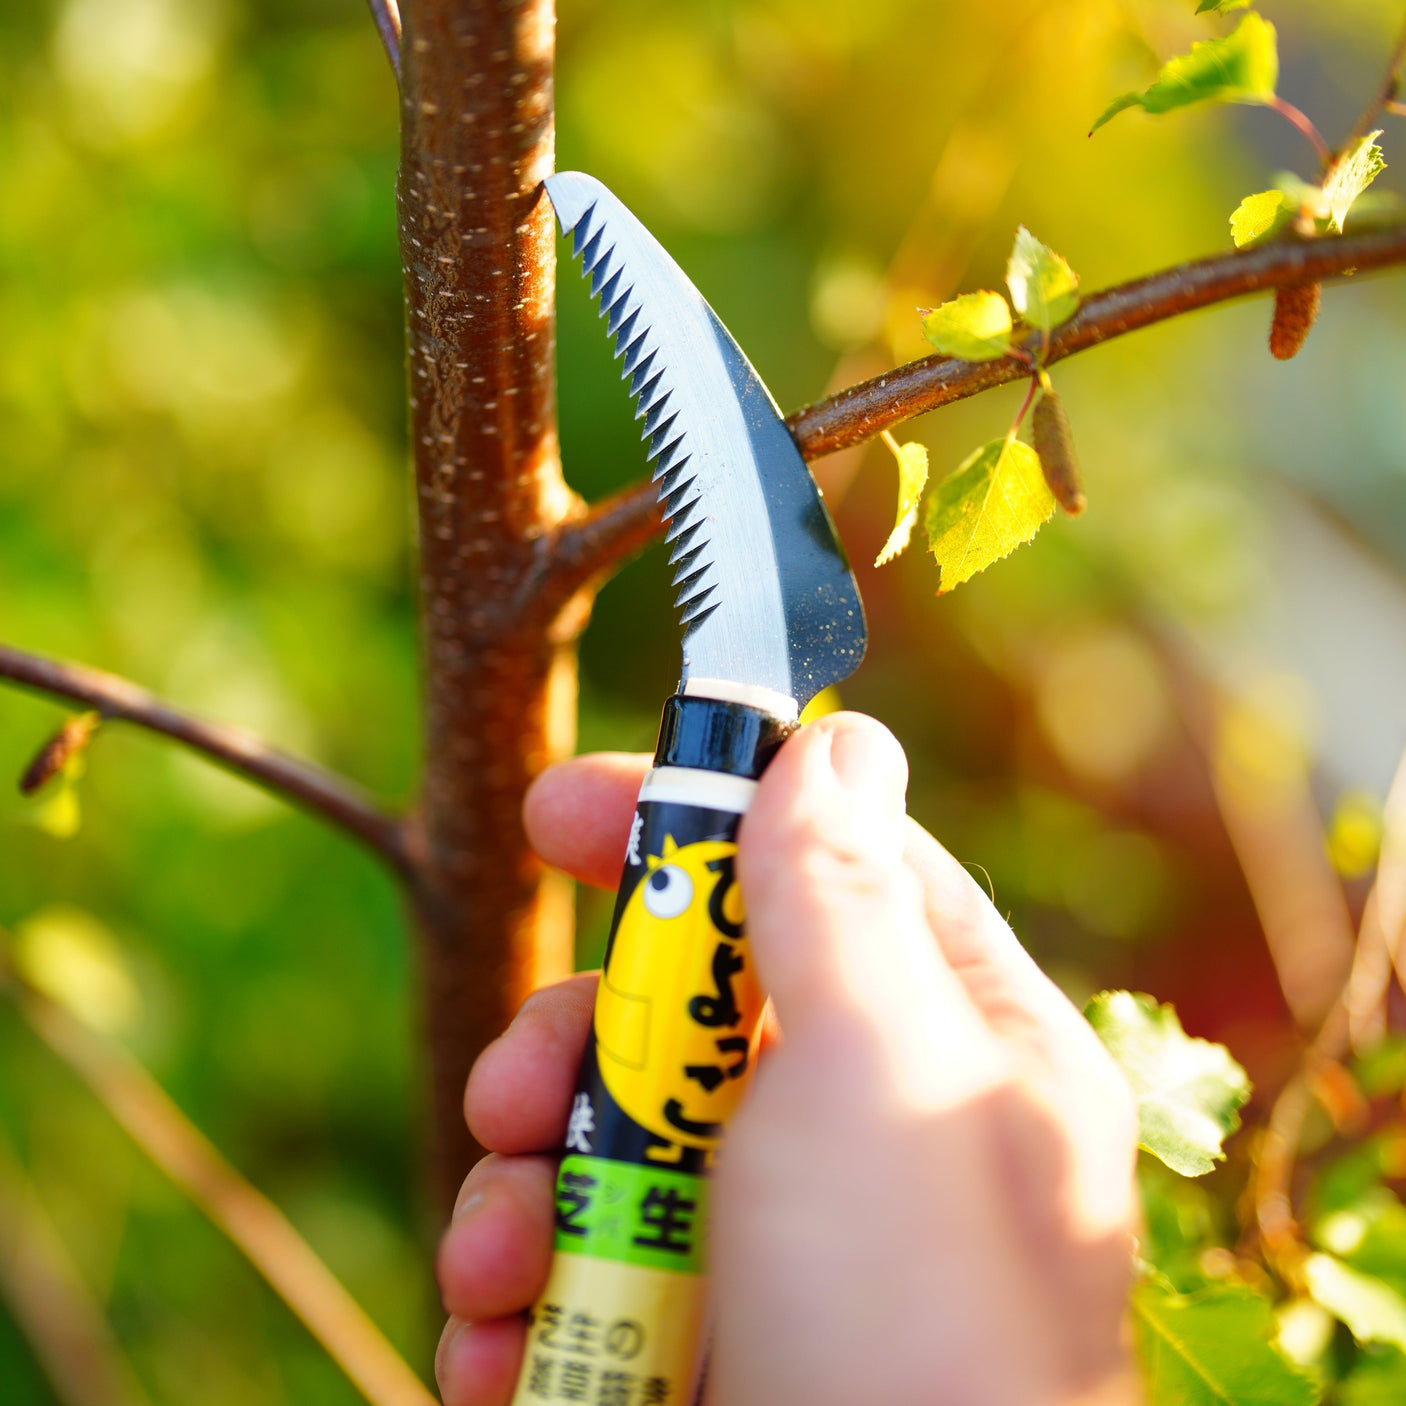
<point>676,1016</point>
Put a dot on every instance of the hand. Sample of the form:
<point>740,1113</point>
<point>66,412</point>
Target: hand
<point>927,1195</point>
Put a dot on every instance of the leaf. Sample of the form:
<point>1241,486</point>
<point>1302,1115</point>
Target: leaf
<point>994,501</point>
<point>1372,1310</point>
<point>1241,68</point>
<point>1221,7</point>
<point>912,479</point>
<point>1259,216</point>
<point>1213,1348</point>
<point>975,327</point>
<point>1378,1379</point>
<point>76,961</point>
<point>1189,1092</point>
<point>1044,289</point>
<point>1351,174</point>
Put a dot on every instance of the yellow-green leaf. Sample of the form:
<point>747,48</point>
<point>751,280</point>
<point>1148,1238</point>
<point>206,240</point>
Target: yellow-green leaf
<point>975,327</point>
<point>58,812</point>
<point>1212,1348</point>
<point>912,479</point>
<point>1259,216</point>
<point>1241,68</point>
<point>1373,1311</point>
<point>1044,289</point>
<point>995,500</point>
<point>1352,173</point>
<point>76,961</point>
<point>1221,7</point>
<point>1189,1092</point>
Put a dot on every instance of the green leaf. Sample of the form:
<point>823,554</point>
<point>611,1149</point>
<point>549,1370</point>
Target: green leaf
<point>1189,1092</point>
<point>1378,1379</point>
<point>912,479</point>
<point>1213,1348</point>
<point>1241,68</point>
<point>996,499</point>
<point>1258,217</point>
<point>1351,174</point>
<point>1221,7</point>
<point>1372,1310</point>
<point>975,327</point>
<point>1044,289</point>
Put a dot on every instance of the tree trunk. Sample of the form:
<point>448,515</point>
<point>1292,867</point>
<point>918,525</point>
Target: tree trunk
<point>478,249</point>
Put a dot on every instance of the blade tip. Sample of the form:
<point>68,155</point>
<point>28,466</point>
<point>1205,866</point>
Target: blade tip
<point>572,194</point>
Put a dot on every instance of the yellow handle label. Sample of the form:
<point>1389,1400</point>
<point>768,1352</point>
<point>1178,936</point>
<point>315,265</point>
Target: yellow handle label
<point>610,1333</point>
<point>679,1003</point>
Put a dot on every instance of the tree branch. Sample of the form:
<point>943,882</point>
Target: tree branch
<point>386,13</point>
<point>610,531</point>
<point>241,752</point>
<point>861,411</point>
<point>622,524</point>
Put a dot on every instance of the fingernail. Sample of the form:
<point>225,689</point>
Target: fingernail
<point>869,762</point>
<point>468,1206</point>
<point>453,1331</point>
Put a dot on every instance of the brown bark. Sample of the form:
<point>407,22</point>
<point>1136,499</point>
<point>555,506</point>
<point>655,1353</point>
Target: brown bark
<point>479,254</point>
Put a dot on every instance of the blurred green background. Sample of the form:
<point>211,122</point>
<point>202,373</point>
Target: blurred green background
<point>203,486</point>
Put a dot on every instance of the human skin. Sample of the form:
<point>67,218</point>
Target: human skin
<point>927,1196</point>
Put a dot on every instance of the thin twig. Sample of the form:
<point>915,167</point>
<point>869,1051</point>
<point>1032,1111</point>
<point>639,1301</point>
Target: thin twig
<point>386,13</point>
<point>298,781</point>
<point>1302,123</point>
<point>51,1305</point>
<point>256,1227</point>
<point>1384,100</point>
<point>859,413</point>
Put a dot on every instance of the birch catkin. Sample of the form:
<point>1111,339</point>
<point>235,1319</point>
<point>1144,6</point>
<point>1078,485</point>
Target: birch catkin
<point>1295,308</point>
<point>1055,445</point>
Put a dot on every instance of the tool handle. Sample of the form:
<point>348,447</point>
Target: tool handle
<point>672,1047</point>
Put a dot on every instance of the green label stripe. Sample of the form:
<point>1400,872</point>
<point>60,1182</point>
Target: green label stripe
<point>649,1216</point>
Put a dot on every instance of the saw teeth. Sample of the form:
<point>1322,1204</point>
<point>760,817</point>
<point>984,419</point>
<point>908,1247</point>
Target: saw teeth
<point>622,328</point>
<point>681,530</point>
<point>664,435</point>
<point>649,394</point>
<point>675,456</point>
<point>667,443</point>
<point>644,373</point>
<point>681,535</point>
<point>581,230</point>
<point>606,283</point>
<point>683,561</point>
<point>636,352</point>
<point>693,610</point>
<point>692,624</point>
<point>590,249</point>
<point>673,501</point>
<point>655,416</point>
<point>622,315</point>
<point>689,574</point>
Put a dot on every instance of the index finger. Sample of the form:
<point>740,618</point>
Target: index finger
<point>578,814</point>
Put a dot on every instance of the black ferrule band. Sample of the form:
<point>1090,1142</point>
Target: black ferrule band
<point>713,735</point>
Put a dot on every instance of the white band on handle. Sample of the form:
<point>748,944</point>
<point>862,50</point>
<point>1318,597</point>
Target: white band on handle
<point>690,786</point>
<point>779,705</point>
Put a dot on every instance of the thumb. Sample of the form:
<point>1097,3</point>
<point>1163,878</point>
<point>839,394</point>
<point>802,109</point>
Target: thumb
<point>836,919</point>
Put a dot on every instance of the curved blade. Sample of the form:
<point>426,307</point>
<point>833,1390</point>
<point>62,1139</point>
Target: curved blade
<point>766,595</point>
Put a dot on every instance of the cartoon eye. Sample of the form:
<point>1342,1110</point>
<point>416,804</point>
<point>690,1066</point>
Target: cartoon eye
<point>668,891</point>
